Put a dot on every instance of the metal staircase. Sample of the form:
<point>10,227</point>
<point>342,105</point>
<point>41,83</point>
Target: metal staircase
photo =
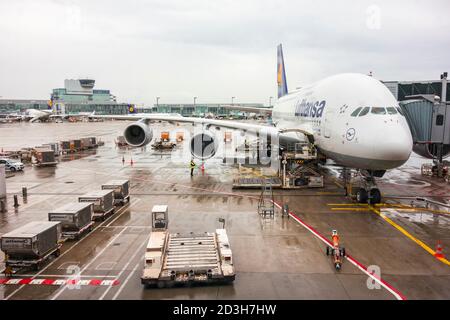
<point>266,206</point>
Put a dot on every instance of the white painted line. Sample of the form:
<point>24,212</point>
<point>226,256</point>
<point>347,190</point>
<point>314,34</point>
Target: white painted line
<point>125,266</point>
<point>361,267</point>
<point>106,266</point>
<point>125,282</point>
<point>63,266</point>
<point>132,202</point>
<point>91,262</point>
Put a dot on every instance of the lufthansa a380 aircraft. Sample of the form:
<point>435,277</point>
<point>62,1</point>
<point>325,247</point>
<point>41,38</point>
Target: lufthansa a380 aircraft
<point>351,118</point>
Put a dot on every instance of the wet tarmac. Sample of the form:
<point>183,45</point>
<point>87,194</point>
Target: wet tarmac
<point>274,258</point>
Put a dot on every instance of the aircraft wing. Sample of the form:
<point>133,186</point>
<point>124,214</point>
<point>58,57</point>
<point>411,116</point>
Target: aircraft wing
<point>249,127</point>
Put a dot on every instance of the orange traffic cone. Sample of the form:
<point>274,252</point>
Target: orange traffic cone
<point>438,253</point>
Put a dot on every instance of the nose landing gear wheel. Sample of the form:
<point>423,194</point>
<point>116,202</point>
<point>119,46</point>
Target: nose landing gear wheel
<point>375,196</point>
<point>361,195</point>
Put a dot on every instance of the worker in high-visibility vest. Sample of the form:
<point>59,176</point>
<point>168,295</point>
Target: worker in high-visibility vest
<point>192,165</point>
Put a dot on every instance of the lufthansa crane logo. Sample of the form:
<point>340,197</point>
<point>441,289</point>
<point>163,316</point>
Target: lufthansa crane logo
<point>350,134</point>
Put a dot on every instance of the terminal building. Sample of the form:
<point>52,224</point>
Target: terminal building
<point>79,95</point>
<point>200,110</point>
<point>402,89</point>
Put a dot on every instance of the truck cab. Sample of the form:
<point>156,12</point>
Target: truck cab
<point>160,218</point>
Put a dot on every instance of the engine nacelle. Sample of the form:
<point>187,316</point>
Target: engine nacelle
<point>203,146</point>
<point>429,150</point>
<point>138,134</point>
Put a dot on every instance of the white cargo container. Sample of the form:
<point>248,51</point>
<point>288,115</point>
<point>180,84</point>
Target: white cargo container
<point>31,244</point>
<point>75,218</point>
<point>103,201</point>
<point>121,190</point>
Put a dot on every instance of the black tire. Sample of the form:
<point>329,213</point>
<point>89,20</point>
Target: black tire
<point>343,252</point>
<point>57,253</point>
<point>37,266</point>
<point>375,196</point>
<point>12,169</point>
<point>361,195</point>
<point>328,250</point>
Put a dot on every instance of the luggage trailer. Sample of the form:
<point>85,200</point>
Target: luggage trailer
<point>75,218</point>
<point>121,190</point>
<point>31,245</point>
<point>103,201</point>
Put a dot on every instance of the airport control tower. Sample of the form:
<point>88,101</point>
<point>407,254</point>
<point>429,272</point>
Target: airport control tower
<point>79,93</point>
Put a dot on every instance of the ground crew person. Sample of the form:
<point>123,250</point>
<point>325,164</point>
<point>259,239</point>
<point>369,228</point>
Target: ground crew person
<point>192,166</point>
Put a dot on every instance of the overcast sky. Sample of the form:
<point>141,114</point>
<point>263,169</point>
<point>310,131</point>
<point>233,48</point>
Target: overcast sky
<point>214,49</point>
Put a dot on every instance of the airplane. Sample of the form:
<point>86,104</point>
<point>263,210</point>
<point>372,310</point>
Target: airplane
<point>351,118</point>
<point>34,115</point>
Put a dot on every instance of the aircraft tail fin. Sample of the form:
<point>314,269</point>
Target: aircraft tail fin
<point>281,74</point>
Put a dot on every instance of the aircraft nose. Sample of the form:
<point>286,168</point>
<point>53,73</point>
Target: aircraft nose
<point>395,144</point>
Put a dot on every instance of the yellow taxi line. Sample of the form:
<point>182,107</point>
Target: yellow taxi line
<point>347,204</point>
<point>407,234</point>
<point>349,209</point>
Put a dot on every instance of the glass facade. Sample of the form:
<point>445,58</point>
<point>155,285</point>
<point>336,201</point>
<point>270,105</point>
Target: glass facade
<point>199,110</point>
<point>13,106</point>
<point>98,96</point>
<point>115,108</point>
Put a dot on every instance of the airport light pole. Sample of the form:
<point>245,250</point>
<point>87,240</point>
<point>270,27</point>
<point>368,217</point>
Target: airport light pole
<point>195,98</point>
<point>232,100</point>
<point>157,101</point>
<point>270,101</point>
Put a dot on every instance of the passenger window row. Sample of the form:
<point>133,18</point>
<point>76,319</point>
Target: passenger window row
<point>376,110</point>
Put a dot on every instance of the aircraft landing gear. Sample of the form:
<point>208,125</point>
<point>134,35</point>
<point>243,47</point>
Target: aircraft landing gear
<point>369,193</point>
<point>367,190</point>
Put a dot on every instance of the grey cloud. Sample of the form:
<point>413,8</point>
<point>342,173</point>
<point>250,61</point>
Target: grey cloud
<point>213,49</point>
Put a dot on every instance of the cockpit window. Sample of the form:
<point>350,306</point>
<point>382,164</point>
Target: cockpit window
<point>364,111</point>
<point>355,113</point>
<point>391,110</point>
<point>400,111</point>
<point>378,110</point>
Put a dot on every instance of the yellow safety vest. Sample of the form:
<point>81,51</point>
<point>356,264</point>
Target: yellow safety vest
<point>192,165</point>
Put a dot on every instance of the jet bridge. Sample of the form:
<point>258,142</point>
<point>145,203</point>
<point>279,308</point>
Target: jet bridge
<point>428,118</point>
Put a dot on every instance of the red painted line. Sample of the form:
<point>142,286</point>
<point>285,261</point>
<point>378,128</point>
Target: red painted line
<point>95,282</point>
<point>398,295</point>
<point>72,281</point>
<point>25,281</point>
<point>57,282</point>
<point>48,282</point>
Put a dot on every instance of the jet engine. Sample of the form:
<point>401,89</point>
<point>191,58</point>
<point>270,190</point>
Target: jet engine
<point>203,145</point>
<point>138,134</point>
<point>430,150</point>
